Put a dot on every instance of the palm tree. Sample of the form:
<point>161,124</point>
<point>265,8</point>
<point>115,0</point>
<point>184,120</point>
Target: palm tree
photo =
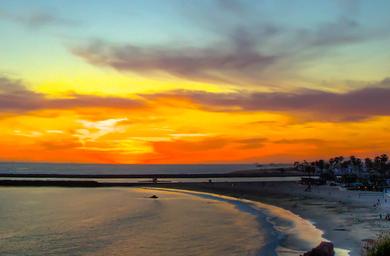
<point>380,163</point>
<point>356,165</point>
<point>297,165</point>
<point>359,165</point>
<point>383,163</point>
<point>384,158</point>
<point>309,168</point>
<point>369,164</point>
<point>321,165</point>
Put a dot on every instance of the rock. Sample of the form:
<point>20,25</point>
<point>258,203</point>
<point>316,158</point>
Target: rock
<point>366,246</point>
<point>154,196</point>
<point>323,249</point>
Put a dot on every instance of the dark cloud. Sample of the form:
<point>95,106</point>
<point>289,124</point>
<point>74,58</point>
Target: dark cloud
<point>38,19</point>
<point>318,105</point>
<point>353,105</point>
<point>246,54</point>
<point>221,64</point>
<point>11,86</point>
<point>249,51</point>
<point>15,97</point>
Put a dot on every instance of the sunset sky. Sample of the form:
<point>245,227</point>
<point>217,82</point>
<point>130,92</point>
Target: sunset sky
<point>222,81</point>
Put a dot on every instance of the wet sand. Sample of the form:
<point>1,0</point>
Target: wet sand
<point>345,217</point>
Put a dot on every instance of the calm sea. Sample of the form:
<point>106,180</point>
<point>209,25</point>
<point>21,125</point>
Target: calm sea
<point>123,168</point>
<point>125,221</point>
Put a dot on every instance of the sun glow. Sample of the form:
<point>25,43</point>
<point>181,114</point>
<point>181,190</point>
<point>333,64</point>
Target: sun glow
<point>206,87</point>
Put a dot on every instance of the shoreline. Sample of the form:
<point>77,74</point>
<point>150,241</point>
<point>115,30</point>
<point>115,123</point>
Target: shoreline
<point>286,233</point>
<point>344,217</point>
<point>271,233</point>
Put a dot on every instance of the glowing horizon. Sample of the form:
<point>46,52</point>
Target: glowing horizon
<point>178,82</point>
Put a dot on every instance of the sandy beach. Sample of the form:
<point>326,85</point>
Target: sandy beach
<point>345,217</point>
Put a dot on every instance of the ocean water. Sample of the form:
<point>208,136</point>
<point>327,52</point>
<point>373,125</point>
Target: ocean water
<point>125,221</point>
<point>55,168</point>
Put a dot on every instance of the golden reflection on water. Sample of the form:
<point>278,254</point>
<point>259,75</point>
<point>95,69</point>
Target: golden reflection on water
<point>114,221</point>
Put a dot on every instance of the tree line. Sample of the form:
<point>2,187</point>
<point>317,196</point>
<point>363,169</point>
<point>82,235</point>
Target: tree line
<point>379,165</point>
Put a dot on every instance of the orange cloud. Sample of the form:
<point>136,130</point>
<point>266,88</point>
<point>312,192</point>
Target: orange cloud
<point>187,127</point>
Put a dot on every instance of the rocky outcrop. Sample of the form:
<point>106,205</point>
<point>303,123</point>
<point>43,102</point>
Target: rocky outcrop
<point>323,249</point>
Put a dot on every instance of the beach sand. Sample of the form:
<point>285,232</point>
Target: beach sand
<point>345,217</point>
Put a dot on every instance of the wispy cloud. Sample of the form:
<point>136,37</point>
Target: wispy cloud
<point>188,135</point>
<point>37,19</point>
<point>15,97</point>
<point>371,100</point>
<point>245,52</point>
<point>312,141</point>
<point>55,131</point>
<point>31,134</point>
<point>212,64</point>
<point>93,130</point>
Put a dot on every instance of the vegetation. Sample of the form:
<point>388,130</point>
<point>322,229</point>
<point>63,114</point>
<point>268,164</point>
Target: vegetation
<point>371,172</point>
<point>381,247</point>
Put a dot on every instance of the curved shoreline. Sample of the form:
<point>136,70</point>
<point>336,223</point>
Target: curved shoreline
<point>272,235</point>
<point>345,217</point>
<point>275,221</point>
<point>345,222</point>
